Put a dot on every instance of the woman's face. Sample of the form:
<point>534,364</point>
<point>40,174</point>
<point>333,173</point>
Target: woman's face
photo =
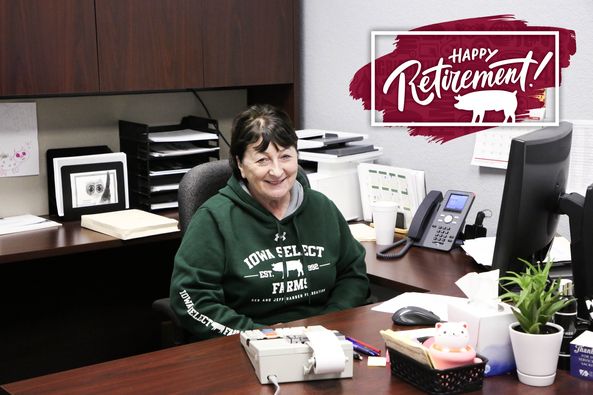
<point>270,174</point>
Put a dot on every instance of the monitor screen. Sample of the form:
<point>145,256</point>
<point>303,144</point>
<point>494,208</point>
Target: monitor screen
<point>536,177</point>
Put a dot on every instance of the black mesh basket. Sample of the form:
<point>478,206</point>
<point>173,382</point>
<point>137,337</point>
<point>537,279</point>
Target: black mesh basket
<point>433,381</point>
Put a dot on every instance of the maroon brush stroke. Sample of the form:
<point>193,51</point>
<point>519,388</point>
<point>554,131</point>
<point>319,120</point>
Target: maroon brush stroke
<point>407,47</point>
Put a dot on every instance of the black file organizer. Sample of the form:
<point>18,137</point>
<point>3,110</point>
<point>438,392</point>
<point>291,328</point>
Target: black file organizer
<point>146,188</point>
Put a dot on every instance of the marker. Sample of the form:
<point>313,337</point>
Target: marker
<point>361,343</point>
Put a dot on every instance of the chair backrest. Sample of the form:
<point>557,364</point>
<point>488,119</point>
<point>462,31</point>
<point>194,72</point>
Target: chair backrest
<point>198,185</point>
<point>202,182</point>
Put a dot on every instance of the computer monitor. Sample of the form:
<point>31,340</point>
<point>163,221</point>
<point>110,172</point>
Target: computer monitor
<point>534,198</point>
<point>536,177</point>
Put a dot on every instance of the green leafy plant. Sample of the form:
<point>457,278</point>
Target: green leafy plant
<point>536,300</point>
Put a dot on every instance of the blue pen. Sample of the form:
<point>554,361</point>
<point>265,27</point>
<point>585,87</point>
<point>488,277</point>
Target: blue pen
<point>362,349</point>
<point>361,343</point>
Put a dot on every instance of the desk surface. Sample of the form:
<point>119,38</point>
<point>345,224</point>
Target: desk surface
<point>420,270</point>
<point>70,238</point>
<point>221,366</point>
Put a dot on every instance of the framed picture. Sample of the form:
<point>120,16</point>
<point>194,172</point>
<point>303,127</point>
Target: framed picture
<point>90,184</point>
<point>52,153</point>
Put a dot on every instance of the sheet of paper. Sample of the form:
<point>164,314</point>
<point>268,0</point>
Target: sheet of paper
<point>482,249</point>
<point>19,149</point>
<point>178,149</point>
<point>433,302</point>
<point>168,172</point>
<point>25,223</point>
<point>580,175</point>
<point>180,135</point>
<point>363,232</point>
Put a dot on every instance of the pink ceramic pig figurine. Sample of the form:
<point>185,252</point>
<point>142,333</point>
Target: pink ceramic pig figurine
<point>450,347</point>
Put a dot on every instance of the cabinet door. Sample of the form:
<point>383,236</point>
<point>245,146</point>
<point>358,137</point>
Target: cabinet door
<point>248,42</point>
<point>149,44</point>
<point>47,47</point>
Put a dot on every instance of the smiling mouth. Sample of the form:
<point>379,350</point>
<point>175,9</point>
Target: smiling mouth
<point>276,182</point>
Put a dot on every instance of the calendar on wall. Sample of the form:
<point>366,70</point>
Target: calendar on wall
<point>492,146</point>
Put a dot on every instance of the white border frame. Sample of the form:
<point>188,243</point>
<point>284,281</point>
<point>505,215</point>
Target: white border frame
<point>395,33</point>
<point>86,160</point>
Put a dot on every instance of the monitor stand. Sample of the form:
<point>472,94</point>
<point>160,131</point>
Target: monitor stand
<point>580,214</point>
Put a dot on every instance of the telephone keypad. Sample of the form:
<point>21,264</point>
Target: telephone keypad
<point>441,234</point>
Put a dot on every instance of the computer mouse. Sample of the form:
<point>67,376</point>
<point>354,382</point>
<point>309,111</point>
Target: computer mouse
<point>414,315</point>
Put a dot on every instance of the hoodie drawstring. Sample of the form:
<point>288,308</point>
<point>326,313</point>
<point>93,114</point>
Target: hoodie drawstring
<point>305,267</point>
<point>284,265</point>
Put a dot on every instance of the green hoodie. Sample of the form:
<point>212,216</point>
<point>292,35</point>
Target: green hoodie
<point>239,267</point>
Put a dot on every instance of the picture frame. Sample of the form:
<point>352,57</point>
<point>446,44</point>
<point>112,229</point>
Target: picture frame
<point>90,184</point>
<point>52,153</point>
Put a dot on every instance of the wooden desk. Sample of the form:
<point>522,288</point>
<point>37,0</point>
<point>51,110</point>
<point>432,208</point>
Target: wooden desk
<point>420,270</point>
<point>221,366</point>
<point>72,297</point>
<point>67,239</point>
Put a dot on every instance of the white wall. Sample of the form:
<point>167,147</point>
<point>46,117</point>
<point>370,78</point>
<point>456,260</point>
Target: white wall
<point>336,43</point>
<point>93,120</point>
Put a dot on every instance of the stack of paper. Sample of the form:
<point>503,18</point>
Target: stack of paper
<point>405,342</point>
<point>25,223</point>
<point>482,250</point>
<point>129,224</point>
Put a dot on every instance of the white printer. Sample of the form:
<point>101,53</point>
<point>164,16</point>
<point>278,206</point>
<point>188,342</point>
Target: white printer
<point>336,156</point>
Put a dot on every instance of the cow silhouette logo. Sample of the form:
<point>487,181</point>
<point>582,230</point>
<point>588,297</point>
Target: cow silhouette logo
<point>294,265</point>
<point>489,100</point>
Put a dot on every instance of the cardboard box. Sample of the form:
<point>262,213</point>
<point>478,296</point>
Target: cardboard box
<point>488,334</point>
<point>581,356</point>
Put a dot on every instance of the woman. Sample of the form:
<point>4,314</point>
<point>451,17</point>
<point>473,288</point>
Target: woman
<point>265,249</point>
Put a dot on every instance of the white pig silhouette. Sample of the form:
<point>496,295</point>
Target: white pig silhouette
<point>290,266</point>
<point>481,101</point>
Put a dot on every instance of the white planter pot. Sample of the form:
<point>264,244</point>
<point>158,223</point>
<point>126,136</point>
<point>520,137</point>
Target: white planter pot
<point>536,356</point>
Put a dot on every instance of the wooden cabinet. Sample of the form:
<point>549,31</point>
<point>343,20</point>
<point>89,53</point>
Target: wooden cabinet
<point>64,47</point>
<point>149,45</point>
<point>47,47</point>
<point>248,42</point>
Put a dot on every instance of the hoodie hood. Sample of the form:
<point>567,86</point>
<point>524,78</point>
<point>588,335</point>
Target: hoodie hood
<point>235,192</point>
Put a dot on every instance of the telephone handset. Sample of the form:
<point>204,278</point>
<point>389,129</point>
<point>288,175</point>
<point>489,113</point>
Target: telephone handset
<point>435,225</point>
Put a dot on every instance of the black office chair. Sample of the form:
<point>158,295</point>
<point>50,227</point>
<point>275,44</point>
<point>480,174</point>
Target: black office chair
<point>196,186</point>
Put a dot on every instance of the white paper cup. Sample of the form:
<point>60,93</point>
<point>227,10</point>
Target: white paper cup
<point>384,214</point>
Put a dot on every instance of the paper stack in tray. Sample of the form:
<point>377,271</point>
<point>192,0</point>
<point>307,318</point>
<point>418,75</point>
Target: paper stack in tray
<point>405,342</point>
<point>129,224</point>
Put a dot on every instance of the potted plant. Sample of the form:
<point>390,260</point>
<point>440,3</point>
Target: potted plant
<point>535,340</point>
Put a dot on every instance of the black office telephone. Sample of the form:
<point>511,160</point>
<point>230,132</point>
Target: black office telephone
<point>435,225</point>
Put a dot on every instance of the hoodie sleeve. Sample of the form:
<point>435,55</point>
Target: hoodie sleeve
<point>196,293</point>
<point>351,288</point>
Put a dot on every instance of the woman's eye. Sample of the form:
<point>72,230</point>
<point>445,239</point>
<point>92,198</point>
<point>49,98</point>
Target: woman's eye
<point>262,161</point>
